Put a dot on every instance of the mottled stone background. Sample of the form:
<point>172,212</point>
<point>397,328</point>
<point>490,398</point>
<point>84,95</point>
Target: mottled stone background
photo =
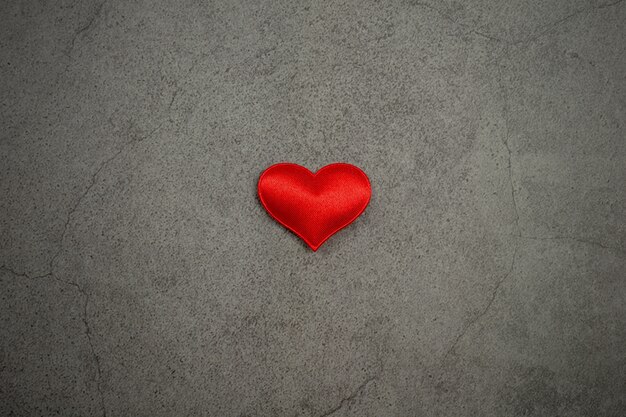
<point>141,277</point>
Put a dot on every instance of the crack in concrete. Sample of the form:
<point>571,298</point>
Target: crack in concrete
<point>546,29</point>
<point>50,273</point>
<point>86,26</point>
<point>455,22</point>
<point>357,392</point>
<point>70,214</point>
<point>178,88</point>
<point>79,200</point>
<point>24,274</point>
<point>96,358</point>
<point>485,310</point>
<point>579,240</point>
<point>91,184</point>
<point>85,321</point>
<point>505,141</point>
<point>104,164</point>
<point>538,33</point>
<point>604,6</point>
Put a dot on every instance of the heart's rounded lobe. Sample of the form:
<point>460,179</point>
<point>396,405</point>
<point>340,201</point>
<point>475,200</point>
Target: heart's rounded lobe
<point>314,206</point>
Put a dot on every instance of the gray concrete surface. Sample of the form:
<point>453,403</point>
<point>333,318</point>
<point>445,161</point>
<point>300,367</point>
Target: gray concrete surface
<point>141,277</point>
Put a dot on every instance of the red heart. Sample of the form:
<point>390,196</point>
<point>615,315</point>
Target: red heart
<point>314,206</point>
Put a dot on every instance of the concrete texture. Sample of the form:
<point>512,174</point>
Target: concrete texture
<point>141,277</point>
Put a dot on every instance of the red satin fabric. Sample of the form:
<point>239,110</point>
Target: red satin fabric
<point>314,206</point>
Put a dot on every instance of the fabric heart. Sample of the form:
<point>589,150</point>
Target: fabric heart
<point>314,206</point>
